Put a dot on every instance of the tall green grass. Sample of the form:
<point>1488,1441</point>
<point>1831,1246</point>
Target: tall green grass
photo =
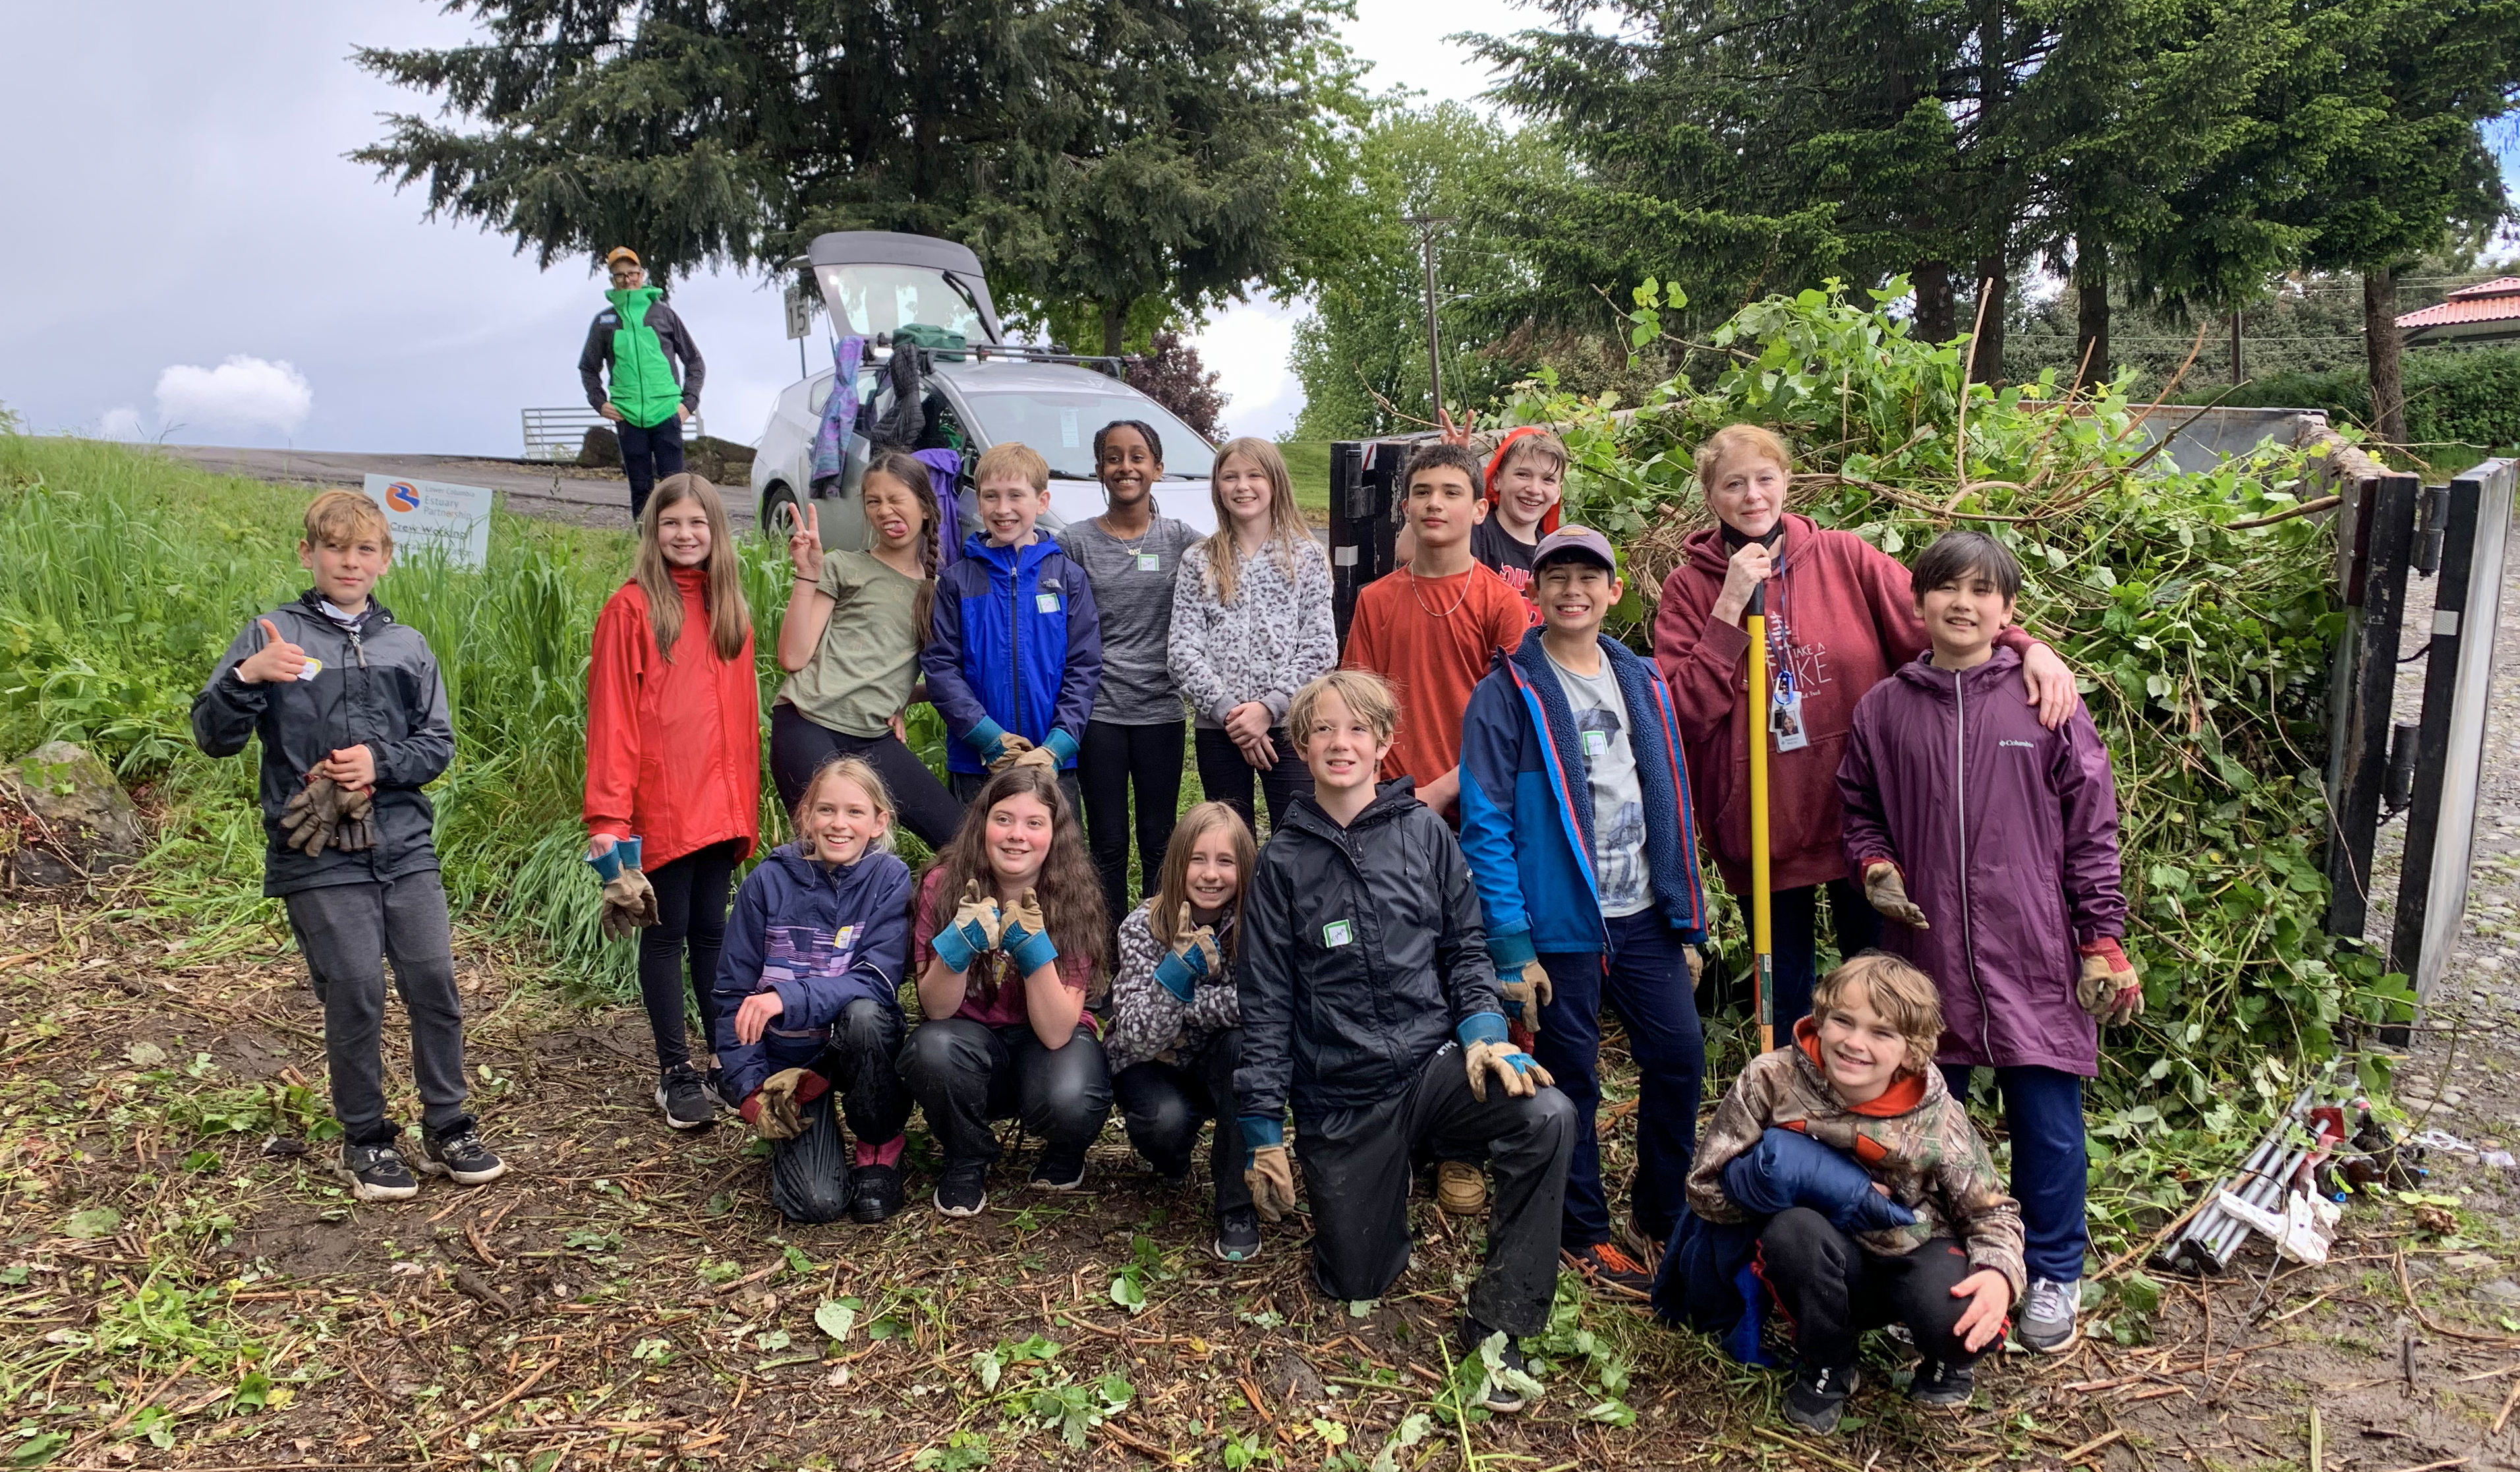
<point>127,573</point>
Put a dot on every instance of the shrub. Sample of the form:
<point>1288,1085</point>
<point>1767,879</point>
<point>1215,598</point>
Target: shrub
<point>2454,396</point>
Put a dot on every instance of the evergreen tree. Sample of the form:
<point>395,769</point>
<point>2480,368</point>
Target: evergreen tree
<point>1094,153</point>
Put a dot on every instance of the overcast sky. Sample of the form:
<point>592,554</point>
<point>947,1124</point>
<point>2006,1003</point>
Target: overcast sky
<point>191,256</point>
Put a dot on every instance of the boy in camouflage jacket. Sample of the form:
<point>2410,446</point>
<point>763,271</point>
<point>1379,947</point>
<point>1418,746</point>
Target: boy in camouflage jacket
<point>1859,1079</point>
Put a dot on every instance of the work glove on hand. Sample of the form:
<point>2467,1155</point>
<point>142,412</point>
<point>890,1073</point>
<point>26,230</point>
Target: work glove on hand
<point>1265,1168</point>
<point>972,930</point>
<point>776,1109</point>
<point>1024,939</point>
<point>313,814</point>
<point>2109,987</point>
<point>1485,1052</point>
<point>1192,959</point>
<point>1889,894</point>
<point>356,834</point>
<point>629,900</point>
<point>1011,749</point>
<point>1525,989</point>
<point>1036,755</point>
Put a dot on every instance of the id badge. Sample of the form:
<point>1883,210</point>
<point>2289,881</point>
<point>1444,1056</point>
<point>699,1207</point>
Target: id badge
<point>1150,562</point>
<point>1786,715</point>
<point>1046,603</point>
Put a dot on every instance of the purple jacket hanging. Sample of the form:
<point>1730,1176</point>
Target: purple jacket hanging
<point>839,414</point>
<point>944,466</point>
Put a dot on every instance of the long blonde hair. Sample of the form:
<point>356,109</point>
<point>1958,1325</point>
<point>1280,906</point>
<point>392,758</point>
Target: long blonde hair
<point>849,770</point>
<point>730,619</point>
<point>1172,889</point>
<point>1287,528</point>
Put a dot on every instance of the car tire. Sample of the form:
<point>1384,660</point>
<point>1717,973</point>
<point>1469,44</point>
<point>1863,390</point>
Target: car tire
<point>778,512</point>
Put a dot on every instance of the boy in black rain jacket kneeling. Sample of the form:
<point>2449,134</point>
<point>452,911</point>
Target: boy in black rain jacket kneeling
<point>1369,1006</point>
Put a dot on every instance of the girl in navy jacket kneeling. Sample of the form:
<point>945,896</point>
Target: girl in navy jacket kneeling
<point>807,1000</point>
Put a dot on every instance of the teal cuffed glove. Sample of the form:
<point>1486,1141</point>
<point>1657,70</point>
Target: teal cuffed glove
<point>1266,1168</point>
<point>1025,939</point>
<point>974,929</point>
<point>989,739</point>
<point>1486,1054</point>
<point>1190,961</point>
<point>1062,746</point>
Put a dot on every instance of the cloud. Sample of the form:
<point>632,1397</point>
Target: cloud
<point>242,393</point>
<point>120,423</point>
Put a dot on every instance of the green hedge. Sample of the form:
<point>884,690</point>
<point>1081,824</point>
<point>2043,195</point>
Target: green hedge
<point>2468,396</point>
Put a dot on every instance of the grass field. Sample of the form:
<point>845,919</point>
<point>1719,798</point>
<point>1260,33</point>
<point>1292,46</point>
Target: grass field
<point>1307,465</point>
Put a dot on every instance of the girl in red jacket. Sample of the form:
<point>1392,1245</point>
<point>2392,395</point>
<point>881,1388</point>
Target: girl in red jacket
<point>1840,618</point>
<point>673,755</point>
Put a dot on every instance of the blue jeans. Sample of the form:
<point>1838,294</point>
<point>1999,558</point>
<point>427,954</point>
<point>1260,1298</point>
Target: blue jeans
<point>1793,927</point>
<point>648,453</point>
<point>1646,976</point>
<point>2042,1113</point>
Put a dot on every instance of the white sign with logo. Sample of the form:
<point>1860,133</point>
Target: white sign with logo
<point>453,519</point>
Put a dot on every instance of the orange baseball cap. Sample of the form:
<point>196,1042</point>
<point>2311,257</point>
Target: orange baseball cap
<point>621,254</point>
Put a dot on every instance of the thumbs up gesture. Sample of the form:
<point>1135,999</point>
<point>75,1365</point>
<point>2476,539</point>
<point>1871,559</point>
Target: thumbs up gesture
<point>276,660</point>
<point>805,544</point>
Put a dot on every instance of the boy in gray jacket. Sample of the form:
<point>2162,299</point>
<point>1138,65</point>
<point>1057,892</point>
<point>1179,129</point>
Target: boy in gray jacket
<point>352,716</point>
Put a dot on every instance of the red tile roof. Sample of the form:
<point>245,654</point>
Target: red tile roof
<point>2495,300</point>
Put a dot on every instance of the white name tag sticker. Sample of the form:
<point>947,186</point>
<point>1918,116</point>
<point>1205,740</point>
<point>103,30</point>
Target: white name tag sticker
<point>1047,603</point>
<point>1596,743</point>
<point>311,669</point>
<point>1149,562</point>
<point>1336,934</point>
<point>847,937</point>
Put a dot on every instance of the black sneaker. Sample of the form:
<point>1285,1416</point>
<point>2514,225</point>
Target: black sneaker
<point>1940,1384</point>
<point>713,1084</point>
<point>685,1099</point>
<point>460,1156</point>
<point>964,1188</point>
<point>375,1173</point>
<point>1237,1234</point>
<point>1608,1268</point>
<point>1059,1169</point>
<point>874,1193</point>
<point>1503,1400</point>
<point>1817,1398</point>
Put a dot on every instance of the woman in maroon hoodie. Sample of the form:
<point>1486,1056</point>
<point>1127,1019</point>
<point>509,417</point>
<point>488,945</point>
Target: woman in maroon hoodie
<point>1841,616</point>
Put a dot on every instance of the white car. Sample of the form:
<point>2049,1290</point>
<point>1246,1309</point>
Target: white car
<point>875,282</point>
<point>1053,406</point>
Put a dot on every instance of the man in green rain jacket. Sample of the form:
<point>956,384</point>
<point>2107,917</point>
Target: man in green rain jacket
<point>636,342</point>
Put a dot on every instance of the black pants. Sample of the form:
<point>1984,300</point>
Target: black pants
<point>1112,760</point>
<point>347,932</point>
<point>1833,1290</point>
<point>691,915</point>
<point>1646,977</point>
<point>648,454</point>
<point>809,1174</point>
<point>1793,924</point>
<point>1356,1174</point>
<point>967,788</point>
<point>1226,777</point>
<point>798,747</point>
<point>1164,1104</point>
<point>963,1074</point>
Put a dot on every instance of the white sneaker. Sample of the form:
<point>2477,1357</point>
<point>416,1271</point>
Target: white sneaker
<point>2047,1314</point>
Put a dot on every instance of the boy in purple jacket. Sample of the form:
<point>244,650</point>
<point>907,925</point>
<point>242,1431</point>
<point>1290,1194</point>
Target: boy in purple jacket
<point>1994,843</point>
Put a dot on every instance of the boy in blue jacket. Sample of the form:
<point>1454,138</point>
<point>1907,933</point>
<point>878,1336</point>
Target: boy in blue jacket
<point>807,1000</point>
<point>1014,649</point>
<point>1576,821</point>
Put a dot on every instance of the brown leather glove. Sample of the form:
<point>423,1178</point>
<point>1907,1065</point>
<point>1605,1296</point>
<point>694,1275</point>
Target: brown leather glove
<point>629,903</point>
<point>1520,1079</point>
<point>1010,747</point>
<point>356,833</point>
<point>313,814</point>
<point>1039,755</point>
<point>1526,992</point>
<point>1889,894</point>
<point>776,1109</point>
<point>2109,987</point>
<point>1272,1181</point>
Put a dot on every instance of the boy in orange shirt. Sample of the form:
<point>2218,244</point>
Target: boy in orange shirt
<point>1432,627</point>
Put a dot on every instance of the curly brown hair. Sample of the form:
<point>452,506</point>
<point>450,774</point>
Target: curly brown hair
<point>1069,888</point>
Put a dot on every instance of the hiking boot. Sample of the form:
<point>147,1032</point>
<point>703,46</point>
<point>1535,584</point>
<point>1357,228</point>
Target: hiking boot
<point>2047,1322</point>
<point>1817,1397</point>
<point>1060,1168</point>
<point>1609,1270</point>
<point>964,1188</point>
<point>874,1193</point>
<point>1237,1234</point>
<point>1503,1400</point>
<point>375,1173</point>
<point>685,1099</point>
<point>458,1155</point>
<point>1461,1189</point>
<point>1941,1384</point>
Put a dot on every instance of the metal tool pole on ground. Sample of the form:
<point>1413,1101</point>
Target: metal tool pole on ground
<point>1763,967</point>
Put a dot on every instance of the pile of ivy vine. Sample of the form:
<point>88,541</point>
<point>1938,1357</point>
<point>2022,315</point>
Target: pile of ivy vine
<point>2204,650</point>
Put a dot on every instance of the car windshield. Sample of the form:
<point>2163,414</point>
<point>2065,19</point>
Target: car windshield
<point>866,299</point>
<point>1061,423</point>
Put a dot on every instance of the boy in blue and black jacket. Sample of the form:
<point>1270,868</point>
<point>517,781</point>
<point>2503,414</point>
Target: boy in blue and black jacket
<point>1576,822</point>
<point>1014,649</point>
